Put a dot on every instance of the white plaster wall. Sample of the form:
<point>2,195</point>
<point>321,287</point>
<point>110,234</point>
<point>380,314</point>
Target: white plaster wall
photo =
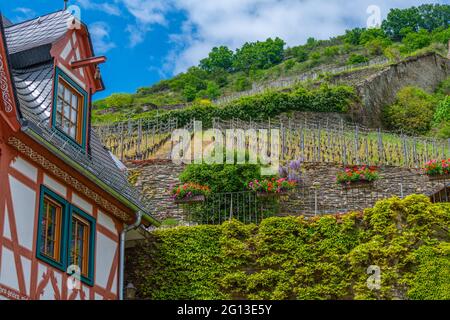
<point>25,168</point>
<point>24,202</point>
<point>8,273</point>
<point>105,251</point>
<point>55,186</point>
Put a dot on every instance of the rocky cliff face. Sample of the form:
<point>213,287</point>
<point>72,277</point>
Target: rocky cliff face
<point>380,89</point>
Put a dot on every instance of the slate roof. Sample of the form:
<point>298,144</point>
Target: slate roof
<point>37,32</point>
<point>30,43</point>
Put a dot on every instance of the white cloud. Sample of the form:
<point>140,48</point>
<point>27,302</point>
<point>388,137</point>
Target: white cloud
<point>100,37</point>
<point>210,23</point>
<point>136,34</point>
<point>105,7</point>
<point>24,14</point>
<point>146,14</point>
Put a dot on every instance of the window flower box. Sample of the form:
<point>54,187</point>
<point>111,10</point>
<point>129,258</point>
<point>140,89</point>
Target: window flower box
<point>190,193</point>
<point>271,194</point>
<point>438,170</point>
<point>273,187</point>
<point>358,185</point>
<point>358,177</point>
<point>191,200</point>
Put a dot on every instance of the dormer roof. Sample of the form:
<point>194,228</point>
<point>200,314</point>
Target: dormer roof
<point>37,32</point>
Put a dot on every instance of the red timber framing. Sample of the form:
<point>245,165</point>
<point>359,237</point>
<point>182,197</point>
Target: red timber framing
<point>8,107</point>
<point>74,47</point>
<point>41,278</point>
<point>25,166</point>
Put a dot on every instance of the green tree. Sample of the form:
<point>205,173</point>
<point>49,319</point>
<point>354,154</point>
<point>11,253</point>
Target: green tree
<point>441,35</point>
<point>212,90</point>
<point>219,58</point>
<point>259,55</point>
<point>299,53</point>
<point>189,93</point>
<point>353,36</point>
<point>428,17</point>
<point>416,40</point>
<point>398,19</point>
<point>371,34</point>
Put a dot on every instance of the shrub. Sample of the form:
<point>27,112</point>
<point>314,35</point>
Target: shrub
<point>242,83</point>
<point>331,51</point>
<point>412,113</point>
<point>442,113</point>
<point>221,177</point>
<point>356,58</point>
<point>269,104</point>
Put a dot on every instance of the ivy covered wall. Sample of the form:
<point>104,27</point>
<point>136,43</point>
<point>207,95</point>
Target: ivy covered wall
<point>294,258</point>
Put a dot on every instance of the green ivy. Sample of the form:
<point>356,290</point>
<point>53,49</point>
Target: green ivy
<point>295,258</point>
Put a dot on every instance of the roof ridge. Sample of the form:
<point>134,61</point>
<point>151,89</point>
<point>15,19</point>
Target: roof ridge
<point>35,18</point>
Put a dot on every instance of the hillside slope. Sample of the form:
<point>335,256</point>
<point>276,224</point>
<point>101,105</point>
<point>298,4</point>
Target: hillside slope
<point>380,89</point>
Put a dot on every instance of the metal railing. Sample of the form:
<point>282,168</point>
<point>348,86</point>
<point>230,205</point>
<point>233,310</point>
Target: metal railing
<point>312,200</point>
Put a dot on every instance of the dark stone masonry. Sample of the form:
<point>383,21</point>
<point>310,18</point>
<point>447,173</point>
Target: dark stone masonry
<point>318,192</point>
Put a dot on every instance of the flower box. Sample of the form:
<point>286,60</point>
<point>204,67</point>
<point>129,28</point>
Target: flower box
<point>438,170</point>
<point>273,187</point>
<point>358,185</point>
<point>271,194</point>
<point>437,177</point>
<point>190,193</point>
<point>191,200</point>
<point>357,177</point>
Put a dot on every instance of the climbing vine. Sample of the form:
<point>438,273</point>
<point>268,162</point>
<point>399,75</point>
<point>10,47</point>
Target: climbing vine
<point>296,258</point>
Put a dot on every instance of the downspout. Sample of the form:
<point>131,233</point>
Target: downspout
<point>122,252</point>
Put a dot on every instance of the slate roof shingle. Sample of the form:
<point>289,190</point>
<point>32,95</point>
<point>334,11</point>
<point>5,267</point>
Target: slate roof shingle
<point>37,32</point>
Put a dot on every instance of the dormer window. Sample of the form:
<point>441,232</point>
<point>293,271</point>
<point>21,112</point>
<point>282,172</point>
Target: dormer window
<point>70,108</point>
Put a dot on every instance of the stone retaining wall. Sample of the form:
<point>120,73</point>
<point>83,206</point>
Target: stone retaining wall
<point>155,178</point>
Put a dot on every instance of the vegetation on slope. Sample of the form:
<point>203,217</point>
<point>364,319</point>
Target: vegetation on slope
<point>404,32</point>
<point>418,112</point>
<point>294,258</point>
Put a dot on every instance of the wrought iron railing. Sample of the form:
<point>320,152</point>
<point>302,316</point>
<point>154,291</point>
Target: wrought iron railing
<point>312,200</point>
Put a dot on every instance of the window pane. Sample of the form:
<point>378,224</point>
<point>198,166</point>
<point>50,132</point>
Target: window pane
<point>67,95</point>
<point>60,90</point>
<point>74,101</point>
<point>73,116</point>
<point>67,110</point>
<point>73,131</point>
<point>50,229</point>
<point>80,245</point>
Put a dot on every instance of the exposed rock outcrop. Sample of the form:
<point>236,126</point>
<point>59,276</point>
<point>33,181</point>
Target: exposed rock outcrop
<point>425,71</point>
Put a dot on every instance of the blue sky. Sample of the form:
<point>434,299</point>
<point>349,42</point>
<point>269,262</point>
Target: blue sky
<point>149,40</point>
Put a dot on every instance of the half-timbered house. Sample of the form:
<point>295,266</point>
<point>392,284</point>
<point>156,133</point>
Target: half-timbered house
<point>64,203</point>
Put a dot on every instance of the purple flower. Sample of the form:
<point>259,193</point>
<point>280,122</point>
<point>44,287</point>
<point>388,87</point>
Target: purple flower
<point>295,164</point>
<point>282,171</point>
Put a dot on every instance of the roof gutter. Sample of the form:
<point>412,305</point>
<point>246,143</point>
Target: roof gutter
<point>122,252</point>
<point>145,216</point>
